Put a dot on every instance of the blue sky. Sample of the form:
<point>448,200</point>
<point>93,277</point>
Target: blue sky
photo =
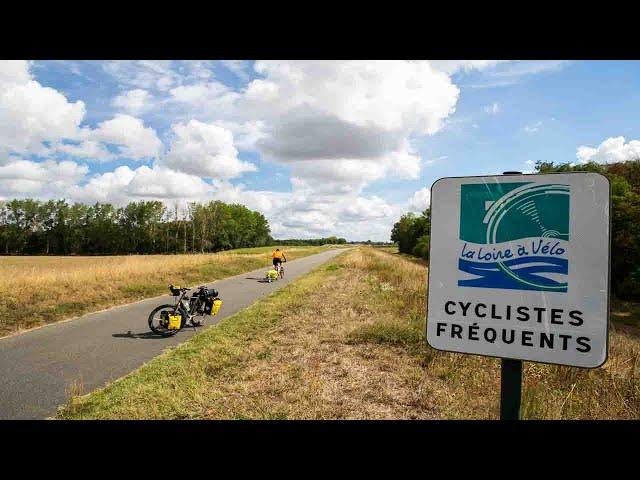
<point>321,148</point>
<point>579,103</point>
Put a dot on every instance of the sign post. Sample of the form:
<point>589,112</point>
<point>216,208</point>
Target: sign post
<point>510,389</point>
<point>510,379</point>
<point>519,270</point>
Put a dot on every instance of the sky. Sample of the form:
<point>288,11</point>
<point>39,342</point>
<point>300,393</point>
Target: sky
<point>319,147</point>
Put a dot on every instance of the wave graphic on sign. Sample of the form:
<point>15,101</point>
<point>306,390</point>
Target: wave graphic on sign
<point>525,202</point>
<point>524,273</point>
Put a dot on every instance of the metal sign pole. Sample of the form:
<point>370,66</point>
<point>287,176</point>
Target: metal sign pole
<point>510,389</point>
<point>510,379</point>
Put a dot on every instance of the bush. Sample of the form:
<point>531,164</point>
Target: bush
<point>411,230</point>
<point>422,247</point>
<point>629,288</point>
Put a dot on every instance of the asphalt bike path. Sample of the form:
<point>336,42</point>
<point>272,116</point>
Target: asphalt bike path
<point>39,367</point>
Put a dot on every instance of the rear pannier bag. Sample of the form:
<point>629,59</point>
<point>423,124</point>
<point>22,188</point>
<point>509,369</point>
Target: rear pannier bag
<point>212,305</point>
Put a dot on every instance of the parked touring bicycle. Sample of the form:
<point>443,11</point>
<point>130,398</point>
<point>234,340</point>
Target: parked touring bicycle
<point>168,319</point>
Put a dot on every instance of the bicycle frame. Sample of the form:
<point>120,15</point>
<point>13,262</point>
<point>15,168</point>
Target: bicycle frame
<point>190,305</point>
<point>182,302</point>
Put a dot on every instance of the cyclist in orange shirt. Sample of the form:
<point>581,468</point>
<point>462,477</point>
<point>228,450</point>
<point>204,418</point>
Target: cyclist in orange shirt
<point>278,256</point>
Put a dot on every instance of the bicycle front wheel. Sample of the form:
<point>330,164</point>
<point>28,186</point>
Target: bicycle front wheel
<point>156,323</point>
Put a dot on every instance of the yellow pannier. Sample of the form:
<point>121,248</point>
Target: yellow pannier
<point>216,306</point>
<point>174,322</point>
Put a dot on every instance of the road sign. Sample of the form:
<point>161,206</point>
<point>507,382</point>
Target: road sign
<point>519,267</point>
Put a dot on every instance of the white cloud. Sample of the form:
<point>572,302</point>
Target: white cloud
<point>509,73</point>
<point>157,75</point>
<point>306,214</point>
<point>533,128</point>
<point>20,177</point>
<point>300,214</point>
<point>366,208</point>
<point>162,183</point>
<point>30,113</point>
<point>455,66</point>
<point>238,67</point>
<point>403,164</point>
<point>530,166</point>
<point>206,150</point>
<point>203,93</point>
<point>86,149</point>
<point>341,125</point>
<point>348,176</point>
<point>492,109</point>
<point>393,95</point>
<point>194,70</point>
<point>106,187</point>
<point>350,216</point>
<point>14,72</point>
<point>245,134</point>
<point>432,161</point>
<point>129,134</point>
<point>146,74</point>
<point>612,150</point>
<point>305,134</point>
<point>134,101</point>
<point>124,185</point>
<point>205,101</point>
<point>531,67</point>
<point>420,200</point>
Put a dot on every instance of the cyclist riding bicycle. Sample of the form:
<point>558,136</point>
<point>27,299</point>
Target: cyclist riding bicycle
<point>278,255</point>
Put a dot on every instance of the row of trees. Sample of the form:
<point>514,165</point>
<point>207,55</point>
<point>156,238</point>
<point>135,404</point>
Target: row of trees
<point>411,232</point>
<point>57,227</point>
<point>371,243</point>
<point>311,241</point>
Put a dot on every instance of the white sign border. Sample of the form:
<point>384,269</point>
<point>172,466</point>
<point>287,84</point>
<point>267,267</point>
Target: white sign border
<point>608,324</point>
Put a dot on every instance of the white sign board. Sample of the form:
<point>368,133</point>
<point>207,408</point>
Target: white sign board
<point>519,267</point>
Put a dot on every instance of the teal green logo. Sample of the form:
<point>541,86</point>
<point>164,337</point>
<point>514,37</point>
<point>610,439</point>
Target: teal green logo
<point>515,236</point>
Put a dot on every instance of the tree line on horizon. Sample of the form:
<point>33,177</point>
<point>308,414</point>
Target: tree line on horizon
<point>411,232</point>
<point>310,241</point>
<point>55,227</point>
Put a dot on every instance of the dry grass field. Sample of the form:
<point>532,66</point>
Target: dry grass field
<point>38,290</point>
<point>347,341</point>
